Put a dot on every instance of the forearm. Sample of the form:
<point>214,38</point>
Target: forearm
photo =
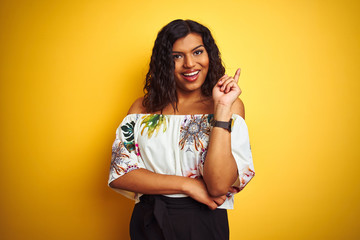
<point>220,169</point>
<point>146,182</point>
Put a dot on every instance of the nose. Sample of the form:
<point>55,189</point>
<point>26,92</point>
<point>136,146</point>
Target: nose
<point>189,62</point>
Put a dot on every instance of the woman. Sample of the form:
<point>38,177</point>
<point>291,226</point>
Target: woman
<point>183,149</point>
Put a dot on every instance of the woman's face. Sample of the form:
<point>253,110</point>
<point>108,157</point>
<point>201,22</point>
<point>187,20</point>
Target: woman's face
<point>191,63</point>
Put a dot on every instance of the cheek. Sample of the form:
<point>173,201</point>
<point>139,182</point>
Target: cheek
<point>206,64</point>
<point>177,67</point>
<point>206,61</point>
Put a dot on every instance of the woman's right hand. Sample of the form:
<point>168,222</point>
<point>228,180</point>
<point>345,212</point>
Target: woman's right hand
<point>196,189</point>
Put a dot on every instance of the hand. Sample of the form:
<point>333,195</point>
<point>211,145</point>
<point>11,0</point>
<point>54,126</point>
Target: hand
<point>226,90</point>
<point>198,191</point>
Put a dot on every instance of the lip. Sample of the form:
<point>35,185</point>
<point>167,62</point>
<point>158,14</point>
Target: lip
<point>191,78</point>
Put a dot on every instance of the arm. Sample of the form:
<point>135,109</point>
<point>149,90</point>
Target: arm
<point>147,182</point>
<point>137,179</point>
<point>220,169</point>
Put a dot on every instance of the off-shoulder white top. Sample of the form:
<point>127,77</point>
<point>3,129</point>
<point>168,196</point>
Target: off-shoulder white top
<point>175,145</point>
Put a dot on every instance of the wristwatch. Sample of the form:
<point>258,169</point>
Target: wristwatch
<point>221,124</point>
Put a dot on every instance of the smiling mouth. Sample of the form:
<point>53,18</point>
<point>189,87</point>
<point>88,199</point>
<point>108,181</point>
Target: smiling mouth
<point>192,76</point>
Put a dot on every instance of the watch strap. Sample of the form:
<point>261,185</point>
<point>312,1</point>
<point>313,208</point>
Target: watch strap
<point>225,125</point>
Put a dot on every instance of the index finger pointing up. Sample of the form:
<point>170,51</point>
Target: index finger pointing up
<point>237,75</point>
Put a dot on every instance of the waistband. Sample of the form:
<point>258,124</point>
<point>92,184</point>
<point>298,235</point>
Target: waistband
<point>172,203</point>
<point>158,210</point>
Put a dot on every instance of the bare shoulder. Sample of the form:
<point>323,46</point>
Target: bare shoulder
<point>137,106</point>
<point>238,108</point>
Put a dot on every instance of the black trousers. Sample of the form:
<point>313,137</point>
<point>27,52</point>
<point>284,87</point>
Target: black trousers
<point>157,217</point>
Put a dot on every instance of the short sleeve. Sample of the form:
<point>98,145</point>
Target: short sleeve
<point>241,151</point>
<point>124,154</point>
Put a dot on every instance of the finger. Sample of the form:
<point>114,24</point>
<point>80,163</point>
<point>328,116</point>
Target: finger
<point>212,205</point>
<point>230,86</point>
<point>220,200</point>
<point>233,86</point>
<point>223,77</point>
<point>225,82</point>
<point>221,80</point>
<point>237,75</point>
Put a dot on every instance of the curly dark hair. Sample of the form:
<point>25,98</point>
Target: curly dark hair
<point>160,86</point>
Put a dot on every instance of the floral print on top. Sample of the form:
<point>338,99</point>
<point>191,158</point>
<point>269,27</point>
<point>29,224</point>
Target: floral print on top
<point>128,131</point>
<point>194,132</point>
<point>153,122</point>
<point>175,145</point>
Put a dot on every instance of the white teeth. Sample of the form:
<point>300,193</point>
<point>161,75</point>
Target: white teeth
<point>190,74</point>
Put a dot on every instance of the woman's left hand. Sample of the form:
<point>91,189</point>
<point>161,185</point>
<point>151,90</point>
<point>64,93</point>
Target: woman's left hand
<point>226,90</point>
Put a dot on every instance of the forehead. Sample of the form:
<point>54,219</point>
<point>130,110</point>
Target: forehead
<point>187,43</point>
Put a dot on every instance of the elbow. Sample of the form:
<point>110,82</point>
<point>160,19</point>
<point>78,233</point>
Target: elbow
<point>113,185</point>
<point>216,186</point>
<point>217,190</point>
<point>117,183</point>
<point>217,193</point>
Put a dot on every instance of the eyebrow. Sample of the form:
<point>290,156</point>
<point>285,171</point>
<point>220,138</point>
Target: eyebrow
<point>191,49</point>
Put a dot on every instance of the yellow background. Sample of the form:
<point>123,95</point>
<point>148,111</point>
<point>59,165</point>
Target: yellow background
<point>70,70</point>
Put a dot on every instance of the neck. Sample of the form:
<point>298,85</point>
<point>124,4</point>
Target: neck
<point>190,103</point>
<point>189,97</point>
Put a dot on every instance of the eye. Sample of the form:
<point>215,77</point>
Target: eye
<point>176,56</point>
<point>198,52</point>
